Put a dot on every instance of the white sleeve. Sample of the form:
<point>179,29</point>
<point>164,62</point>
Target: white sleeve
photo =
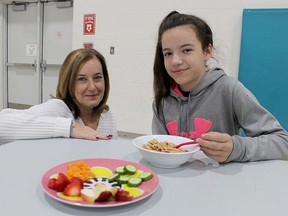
<point>47,120</point>
<point>107,124</point>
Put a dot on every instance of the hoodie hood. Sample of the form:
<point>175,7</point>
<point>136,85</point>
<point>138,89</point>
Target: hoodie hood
<point>211,77</point>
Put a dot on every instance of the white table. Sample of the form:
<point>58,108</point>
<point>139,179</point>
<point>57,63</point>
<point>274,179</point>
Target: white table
<point>258,188</point>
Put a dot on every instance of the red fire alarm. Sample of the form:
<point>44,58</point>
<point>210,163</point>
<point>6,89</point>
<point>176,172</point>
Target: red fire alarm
<point>89,21</point>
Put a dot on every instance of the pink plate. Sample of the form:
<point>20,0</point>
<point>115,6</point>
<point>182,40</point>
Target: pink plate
<point>102,168</point>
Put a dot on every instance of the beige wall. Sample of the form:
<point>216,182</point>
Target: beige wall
<point>131,27</point>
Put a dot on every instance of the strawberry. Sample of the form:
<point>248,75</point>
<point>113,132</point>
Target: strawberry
<point>63,178</point>
<point>78,181</point>
<point>61,182</point>
<point>123,195</point>
<point>59,186</point>
<point>51,183</point>
<point>72,189</point>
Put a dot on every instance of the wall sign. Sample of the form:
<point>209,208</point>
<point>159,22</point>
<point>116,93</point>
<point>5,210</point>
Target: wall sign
<point>89,21</point>
<point>31,49</point>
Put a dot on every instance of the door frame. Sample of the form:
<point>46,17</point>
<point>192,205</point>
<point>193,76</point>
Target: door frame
<point>4,56</point>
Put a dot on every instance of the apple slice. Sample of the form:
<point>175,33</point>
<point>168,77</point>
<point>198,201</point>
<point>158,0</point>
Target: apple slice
<point>88,195</point>
<point>101,192</point>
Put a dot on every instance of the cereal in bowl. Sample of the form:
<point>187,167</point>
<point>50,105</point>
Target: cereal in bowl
<point>165,146</point>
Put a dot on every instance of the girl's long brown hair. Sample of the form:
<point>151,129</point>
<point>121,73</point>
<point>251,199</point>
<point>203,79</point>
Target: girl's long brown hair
<point>162,80</point>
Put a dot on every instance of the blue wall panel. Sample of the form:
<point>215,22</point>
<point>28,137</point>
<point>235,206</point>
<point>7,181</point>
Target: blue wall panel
<point>263,65</point>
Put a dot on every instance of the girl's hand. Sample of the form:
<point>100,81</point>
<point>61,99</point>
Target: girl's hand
<point>84,132</point>
<point>217,146</point>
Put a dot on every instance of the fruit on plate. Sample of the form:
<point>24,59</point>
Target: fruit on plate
<point>51,183</point>
<point>78,181</point>
<point>63,178</point>
<point>102,195</point>
<point>70,187</point>
<point>123,195</point>
<point>73,189</point>
<point>103,192</point>
<point>60,183</point>
<point>88,195</point>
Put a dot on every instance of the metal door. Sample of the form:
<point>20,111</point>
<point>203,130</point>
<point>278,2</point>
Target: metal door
<point>57,43</point>
<point>39,36</point>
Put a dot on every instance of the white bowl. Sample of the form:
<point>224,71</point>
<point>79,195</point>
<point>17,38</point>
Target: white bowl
<point>163,159</point>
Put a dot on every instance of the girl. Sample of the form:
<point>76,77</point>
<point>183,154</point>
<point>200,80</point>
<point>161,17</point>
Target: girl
<point>189,96</point>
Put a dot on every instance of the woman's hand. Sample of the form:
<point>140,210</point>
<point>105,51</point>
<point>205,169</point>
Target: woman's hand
<point>217,146</point>
<point>84,132</point>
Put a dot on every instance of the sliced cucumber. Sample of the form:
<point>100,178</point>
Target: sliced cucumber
<point>123,179</point>
<point>120,170</point>
<point>134,182</point>
<point>146,176</point>
<point>114,177</point>
<point>130,169</point>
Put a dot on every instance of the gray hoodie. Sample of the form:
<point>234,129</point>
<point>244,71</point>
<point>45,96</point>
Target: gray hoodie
<point>229,106</point>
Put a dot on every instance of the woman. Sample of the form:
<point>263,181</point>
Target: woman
<point>187,92</point>
<point>79,109</point>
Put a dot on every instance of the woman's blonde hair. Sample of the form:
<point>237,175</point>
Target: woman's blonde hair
<point>67,78</point>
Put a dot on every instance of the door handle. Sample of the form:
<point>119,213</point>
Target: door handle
<point>34,65</point>
<point>43,65</point>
